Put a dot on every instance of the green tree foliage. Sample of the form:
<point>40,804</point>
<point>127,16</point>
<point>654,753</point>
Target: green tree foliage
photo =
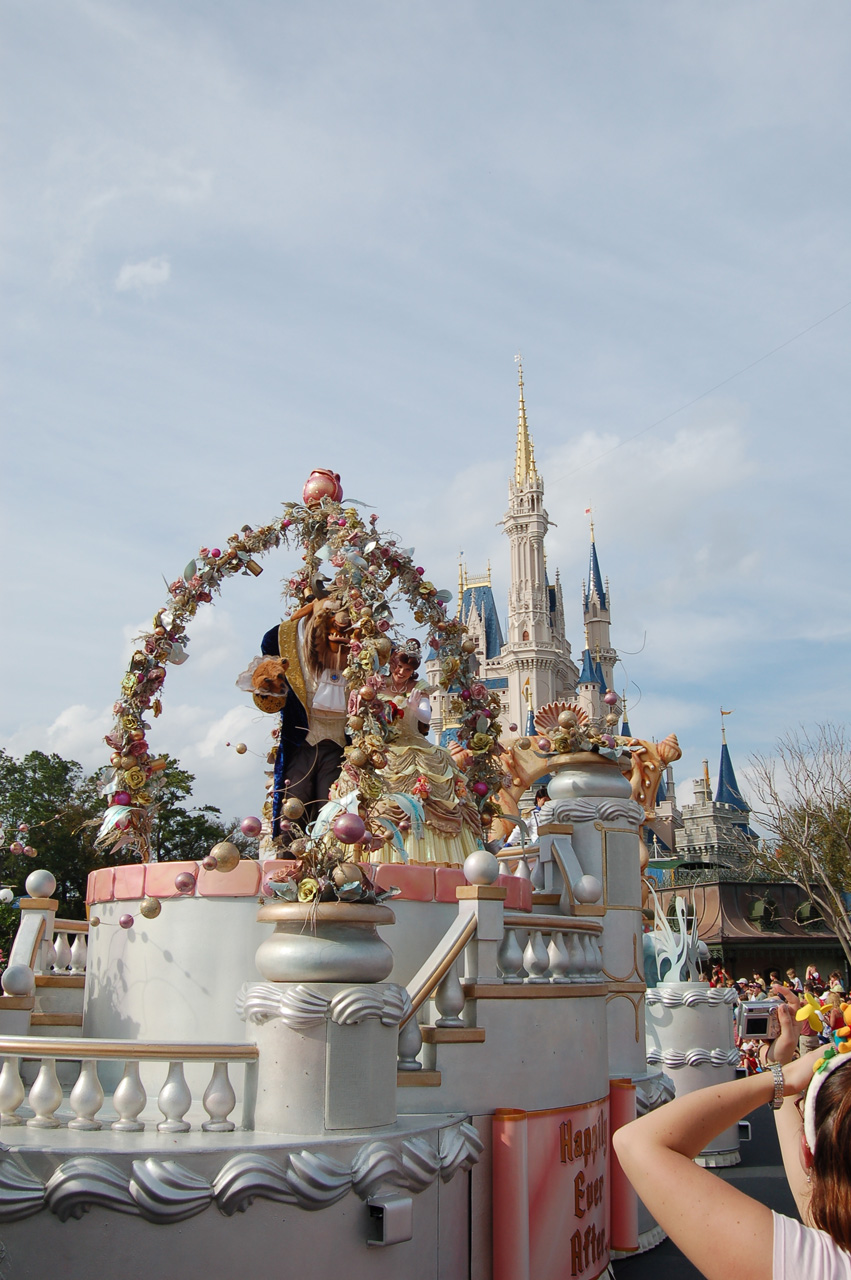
<point>62,808</point>
<point>804,794</point>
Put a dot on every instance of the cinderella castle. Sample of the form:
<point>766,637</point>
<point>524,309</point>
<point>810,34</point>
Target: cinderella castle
<point>533,665</point>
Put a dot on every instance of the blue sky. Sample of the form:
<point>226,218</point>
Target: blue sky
<point>241,241</point>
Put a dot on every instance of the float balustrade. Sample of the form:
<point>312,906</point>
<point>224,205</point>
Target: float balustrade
<point>129,1098</point>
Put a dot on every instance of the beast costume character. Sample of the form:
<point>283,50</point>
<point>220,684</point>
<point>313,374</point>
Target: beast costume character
<point>311,699</point>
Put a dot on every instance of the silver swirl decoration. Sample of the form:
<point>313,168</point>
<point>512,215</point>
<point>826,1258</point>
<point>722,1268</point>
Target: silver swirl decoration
<point>674,1059</point>
<point>389,1005</point>
<point>86,1181</point>
<point>21,1193</point>
<point>673,998</point>
<point>164,1192</point>
<point>587,809</point>
<point>301,1008</point>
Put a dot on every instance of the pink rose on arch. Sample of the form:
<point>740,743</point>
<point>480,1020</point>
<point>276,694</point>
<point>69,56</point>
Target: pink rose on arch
<point>478,691</point>
<point>176,587</point>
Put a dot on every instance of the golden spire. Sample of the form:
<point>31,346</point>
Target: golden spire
<point>524,465</point>
<point>723,733</point>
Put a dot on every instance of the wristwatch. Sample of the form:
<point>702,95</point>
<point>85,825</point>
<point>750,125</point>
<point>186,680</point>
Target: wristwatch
<point>777,1071</point>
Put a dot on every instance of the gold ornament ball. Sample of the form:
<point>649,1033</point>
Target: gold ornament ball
<point>94,922</point>
<point>611,718</point>
<point>293,809</point>
<point>358,758</point>
<point>226,855</point>
<point>355,722</point>
<point>150,908</point>
<point>523,744</point>
<point>567,719</point>
<point>468,646</point>
<point>241,748</point>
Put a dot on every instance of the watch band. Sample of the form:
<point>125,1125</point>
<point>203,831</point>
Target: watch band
<point>777,1071</point>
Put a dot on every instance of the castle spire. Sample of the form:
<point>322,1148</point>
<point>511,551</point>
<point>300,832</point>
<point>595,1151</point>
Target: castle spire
<point>524,464</point>
<point>595,578</point>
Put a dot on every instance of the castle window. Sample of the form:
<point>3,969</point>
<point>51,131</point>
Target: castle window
<point>525,635</point>
<point>593,611</point>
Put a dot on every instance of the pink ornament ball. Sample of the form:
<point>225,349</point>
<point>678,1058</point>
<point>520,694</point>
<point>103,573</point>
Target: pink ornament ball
<point>608,739</point>
<point>512,728</point>
<point>126,922</point>
<point>209,864</point>
<point>480,788</point>
<point>120,797</point>
<point>251,826</point>
<point>610,698</point>
<point>466,695</point>
<point>420,570</point>
<point>16,847</point>
<point>215,553</point>
<point>349,828</point>
<point>544,744</point>
<point>285,524</point>
<point>184,882</point>
<point>30,852</point>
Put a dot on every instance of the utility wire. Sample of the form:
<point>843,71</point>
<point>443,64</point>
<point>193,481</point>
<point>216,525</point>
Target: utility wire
<point>723,383</point>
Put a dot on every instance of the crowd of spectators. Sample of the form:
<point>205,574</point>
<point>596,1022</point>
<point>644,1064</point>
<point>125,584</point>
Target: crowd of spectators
<point>826,997</point>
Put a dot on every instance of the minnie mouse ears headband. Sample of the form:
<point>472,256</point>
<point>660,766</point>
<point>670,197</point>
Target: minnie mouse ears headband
<point>826,1065</point>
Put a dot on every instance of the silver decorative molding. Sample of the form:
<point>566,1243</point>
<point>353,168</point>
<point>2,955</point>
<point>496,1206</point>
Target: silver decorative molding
<point>672,998</point>
<point>164,1192</point>
<point>301,1008</point>
<point>674,1059</point>
<point>587,809</point>
<point>85,1181</point>
<point>389,1005</point>
<point>652,1092</point>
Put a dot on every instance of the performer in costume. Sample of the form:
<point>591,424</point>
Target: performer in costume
<point>452,827</point>
<point>300,676</point>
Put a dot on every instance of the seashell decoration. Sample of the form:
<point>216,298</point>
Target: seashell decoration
<point>546,719</point>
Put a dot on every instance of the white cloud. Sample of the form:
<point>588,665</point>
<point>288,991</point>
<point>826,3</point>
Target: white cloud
<point>145,278</point>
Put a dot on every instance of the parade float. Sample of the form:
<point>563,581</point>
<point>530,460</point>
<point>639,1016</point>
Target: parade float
<point>376,1044</point>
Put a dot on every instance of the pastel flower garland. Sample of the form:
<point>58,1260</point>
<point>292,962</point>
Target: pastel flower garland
<point>366,571</point>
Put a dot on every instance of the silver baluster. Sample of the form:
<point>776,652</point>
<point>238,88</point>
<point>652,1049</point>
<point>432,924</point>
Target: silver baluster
<point>12,1092</point>
<point>591,969</point>
<point>49,956</point>
<point>538,879</point>
<point>63,953</point>
<point>522,871</point>
<point>536,962</point>
<point>86,1097</point>
<point>509,957</point>
<point>45,1097</point>
<point>576,956</point>
<point>129,1100</point>
<point>219,1101</point>
<point>79,954</point>
<point>559,959</point>
<point>410,1043</point>
<point>597,953</point>
<point>449,999</point>
<point>174,1101</point>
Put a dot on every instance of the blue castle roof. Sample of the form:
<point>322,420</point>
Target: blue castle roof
<point>728,791</point>
<point>595,578</point>
<point>588,674</point>
<point>481,599</point>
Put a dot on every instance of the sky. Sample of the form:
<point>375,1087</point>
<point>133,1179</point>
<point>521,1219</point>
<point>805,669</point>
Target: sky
<point>240,241</point>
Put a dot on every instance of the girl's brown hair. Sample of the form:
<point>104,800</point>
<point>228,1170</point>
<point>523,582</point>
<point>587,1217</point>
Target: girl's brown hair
<point>830,1204</point>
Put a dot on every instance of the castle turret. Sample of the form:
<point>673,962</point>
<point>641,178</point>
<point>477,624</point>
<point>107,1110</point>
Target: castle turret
<point>536,657</point>
<point>597,617</point>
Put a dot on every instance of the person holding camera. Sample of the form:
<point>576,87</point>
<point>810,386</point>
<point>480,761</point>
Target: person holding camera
<point>721,1230</point>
